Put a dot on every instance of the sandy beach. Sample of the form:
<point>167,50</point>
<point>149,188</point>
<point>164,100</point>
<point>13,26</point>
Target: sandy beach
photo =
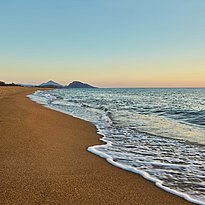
<point>44,160</point>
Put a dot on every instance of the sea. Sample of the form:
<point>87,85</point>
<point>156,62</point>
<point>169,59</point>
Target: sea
<point>157,133</point>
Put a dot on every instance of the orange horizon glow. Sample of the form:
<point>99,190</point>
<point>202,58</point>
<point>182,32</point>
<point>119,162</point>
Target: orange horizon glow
<point>117,75</point>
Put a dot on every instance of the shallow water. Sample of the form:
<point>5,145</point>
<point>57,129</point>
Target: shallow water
<point>159,133</point>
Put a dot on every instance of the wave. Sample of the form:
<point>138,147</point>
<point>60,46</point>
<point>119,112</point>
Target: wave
<point>145,175</point>
<point>157,182</point>
<point>134,144</point>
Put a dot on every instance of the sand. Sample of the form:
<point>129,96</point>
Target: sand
<point>44,160</point>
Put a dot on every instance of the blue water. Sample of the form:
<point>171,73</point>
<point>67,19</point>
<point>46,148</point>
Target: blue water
<point>158,133</point>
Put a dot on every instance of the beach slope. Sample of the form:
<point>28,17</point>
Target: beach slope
<point>44,160</point>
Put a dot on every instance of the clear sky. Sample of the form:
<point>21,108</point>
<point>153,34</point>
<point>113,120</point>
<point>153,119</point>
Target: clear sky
<point>108,43</point>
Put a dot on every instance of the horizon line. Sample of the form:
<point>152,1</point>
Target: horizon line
<point>143,87</point>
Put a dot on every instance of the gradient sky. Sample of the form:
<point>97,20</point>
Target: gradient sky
<point>108,43</point>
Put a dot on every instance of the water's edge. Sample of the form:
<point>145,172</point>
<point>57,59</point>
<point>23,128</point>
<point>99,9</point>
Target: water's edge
<point>110,160</point>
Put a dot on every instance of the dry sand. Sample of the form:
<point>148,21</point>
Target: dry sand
<point>43,160</point>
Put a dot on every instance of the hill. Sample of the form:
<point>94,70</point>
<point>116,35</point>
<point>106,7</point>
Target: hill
<point>77,84</point>
<point>50,84</point>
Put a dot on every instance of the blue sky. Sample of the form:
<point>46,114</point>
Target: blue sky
<point>112,43</point>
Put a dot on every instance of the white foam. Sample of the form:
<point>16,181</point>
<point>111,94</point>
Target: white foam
<point>94,150</point>
<point>145,175</point>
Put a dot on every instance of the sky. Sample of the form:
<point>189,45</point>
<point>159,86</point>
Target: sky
<point>107,43</point>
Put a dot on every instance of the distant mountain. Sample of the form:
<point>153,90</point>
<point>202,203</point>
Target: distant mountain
<point>77,84</point>
<point>50,84</point>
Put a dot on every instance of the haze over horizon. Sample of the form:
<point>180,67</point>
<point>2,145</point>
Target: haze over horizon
<point>111,43</point>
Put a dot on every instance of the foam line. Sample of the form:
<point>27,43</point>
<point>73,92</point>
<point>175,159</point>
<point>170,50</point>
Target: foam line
<point>94,150</point>
<point>145,175</point>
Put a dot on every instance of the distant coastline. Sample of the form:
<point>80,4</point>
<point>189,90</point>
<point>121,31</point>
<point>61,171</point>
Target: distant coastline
<point>52,84</point>
<point>7,84</point>
<point>78,84</point>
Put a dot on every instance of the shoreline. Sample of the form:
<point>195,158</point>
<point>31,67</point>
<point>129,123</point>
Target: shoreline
<point>128,168</point>
<point>44,160</point>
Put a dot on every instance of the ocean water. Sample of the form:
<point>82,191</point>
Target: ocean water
<point>158,133</point>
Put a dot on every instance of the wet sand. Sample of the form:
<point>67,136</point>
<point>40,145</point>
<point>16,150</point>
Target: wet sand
<point>44,160</point>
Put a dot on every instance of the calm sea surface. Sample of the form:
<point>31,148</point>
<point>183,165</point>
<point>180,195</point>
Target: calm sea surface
<point>158,133</point>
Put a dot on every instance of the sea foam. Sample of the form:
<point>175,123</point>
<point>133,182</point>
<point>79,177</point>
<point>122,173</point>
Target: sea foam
<point>147,132</point>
